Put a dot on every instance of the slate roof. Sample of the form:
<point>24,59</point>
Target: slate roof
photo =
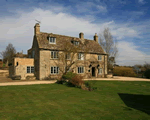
<point>43,43</point>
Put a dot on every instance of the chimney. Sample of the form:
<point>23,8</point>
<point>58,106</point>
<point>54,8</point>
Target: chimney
<point>81,35</point>
<point>95,37</point>
<point>36,29</point>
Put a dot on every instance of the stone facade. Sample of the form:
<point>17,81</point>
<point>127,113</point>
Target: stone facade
<point>19,67</point>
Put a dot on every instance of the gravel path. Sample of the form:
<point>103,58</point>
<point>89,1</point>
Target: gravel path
<point>7,81</point>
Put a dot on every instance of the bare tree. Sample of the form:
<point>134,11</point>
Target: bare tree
<point>110,47</point>
<point>8,53</point>
<point>67,58</point>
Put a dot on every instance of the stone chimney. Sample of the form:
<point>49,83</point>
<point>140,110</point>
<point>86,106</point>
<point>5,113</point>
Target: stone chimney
<point>36,29</point>
<point>81,36</point>
<point>95,37</point>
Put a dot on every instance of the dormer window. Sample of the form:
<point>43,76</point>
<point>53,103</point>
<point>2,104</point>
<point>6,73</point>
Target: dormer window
<point>52,40</point>
<point>75,42</point>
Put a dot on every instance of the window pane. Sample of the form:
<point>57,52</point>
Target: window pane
<point>57,69</point>
<point>54,69</point>
<point>28,69</point>
<point>51,69</point>
<point>32,69</point>
<point>51,54</point>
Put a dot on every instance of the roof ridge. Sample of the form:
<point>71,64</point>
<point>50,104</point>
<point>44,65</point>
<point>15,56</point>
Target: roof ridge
<point>65,36</point>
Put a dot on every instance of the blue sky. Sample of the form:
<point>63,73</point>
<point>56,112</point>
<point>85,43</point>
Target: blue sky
<point>128,20</point>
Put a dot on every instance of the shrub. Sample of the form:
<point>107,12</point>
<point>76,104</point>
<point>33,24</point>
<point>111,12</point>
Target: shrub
<point>77,81</point>
<point>69,76</point>
<point>147,73</point>
<point>124,71</point>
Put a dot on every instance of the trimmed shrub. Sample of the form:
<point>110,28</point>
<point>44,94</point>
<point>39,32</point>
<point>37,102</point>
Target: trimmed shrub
<point>147,73</point>
<point>124,71</point>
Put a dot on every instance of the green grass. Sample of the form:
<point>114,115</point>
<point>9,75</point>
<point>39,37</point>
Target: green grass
<point>113,100</point>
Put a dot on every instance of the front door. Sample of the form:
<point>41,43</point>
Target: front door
<point>93,71</point>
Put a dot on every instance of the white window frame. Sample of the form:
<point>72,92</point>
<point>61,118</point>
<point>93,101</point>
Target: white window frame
<point>99,56</point>
<point>54,70</point>
<point>31,69</point>
<point>52,40</point>
<point>80,56</point>
<point>54,54</point>
<point>80,69</point>
<point>100,71</point>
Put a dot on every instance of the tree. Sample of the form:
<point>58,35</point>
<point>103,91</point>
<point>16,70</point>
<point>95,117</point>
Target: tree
<point>67,58</point>
<point>8,53</point>
<point>110,47</point>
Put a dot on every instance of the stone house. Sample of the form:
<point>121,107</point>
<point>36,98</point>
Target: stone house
<point>45,50</point>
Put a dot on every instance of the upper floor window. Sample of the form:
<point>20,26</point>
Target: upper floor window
<point>100,57</point>
<point>75,42</point>
<point>80,56</point>
<point>54,54</point>
<point>52,40</point>
<point>30,69</point>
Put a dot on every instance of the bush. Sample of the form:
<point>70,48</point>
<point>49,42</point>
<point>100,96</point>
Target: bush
<point>69,76</point>
<point>124,71</point>
<point>147,73</point>
<point>77,81</point>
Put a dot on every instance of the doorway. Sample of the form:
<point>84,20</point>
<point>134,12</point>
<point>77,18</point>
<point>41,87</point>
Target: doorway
<point>93,71</point>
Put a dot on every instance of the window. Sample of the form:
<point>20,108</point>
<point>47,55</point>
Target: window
<point>100,71</point>
<point>33,53</point>
<point>30,69</point>
<point>54,70</point>
<point>81,69</point>
<point>100,57</point>
<point>54,54</point>
<point>80,56</point>
<point>52,40</point>
<point>68,56</point>
<point>75,42</point>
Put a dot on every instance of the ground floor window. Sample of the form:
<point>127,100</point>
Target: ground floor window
<point>81,69</point>
<point>54,70</point>
<point>100,71</point>
<point>30,69</point>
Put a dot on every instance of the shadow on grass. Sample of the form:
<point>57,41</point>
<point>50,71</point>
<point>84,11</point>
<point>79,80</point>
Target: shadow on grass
<point>139,102</point>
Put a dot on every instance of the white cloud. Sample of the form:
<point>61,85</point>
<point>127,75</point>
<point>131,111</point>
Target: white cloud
<point>141,1</point>
<point>90,8</point>
<point>130,55</point>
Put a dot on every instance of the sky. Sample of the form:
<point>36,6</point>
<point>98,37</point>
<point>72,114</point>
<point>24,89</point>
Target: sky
<point>128,21</point>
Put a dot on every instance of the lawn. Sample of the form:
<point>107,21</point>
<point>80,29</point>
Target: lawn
<point>113,100</point>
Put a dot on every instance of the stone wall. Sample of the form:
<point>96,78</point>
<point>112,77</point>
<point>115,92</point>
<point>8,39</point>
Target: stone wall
<point>46,62</point>
<point>19,67</point>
